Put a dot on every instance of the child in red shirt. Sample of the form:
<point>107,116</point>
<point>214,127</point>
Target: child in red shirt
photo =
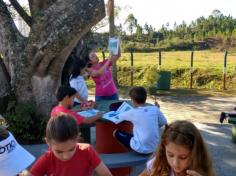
<point>65,96</point>
<point>66,156</point>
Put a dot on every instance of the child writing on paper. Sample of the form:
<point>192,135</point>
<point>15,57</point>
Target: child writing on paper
<point>65,155</point>
<point>146,121</point>
<point>181,152</point>
<point>65,96</point>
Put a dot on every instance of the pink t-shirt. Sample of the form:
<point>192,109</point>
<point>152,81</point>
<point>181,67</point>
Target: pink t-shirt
<point>60,109</point>
<point>105,85</point>
<point>83,162</point>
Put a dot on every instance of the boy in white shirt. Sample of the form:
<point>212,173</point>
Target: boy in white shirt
<point>146,121</point>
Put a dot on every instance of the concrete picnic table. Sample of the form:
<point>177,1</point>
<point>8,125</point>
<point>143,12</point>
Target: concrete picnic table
<point>105,142</point>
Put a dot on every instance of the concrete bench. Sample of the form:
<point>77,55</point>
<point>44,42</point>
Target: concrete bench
<point>119,160</point>
<point>36,149</point>
<point>113,160</point>
<point>232,120</point>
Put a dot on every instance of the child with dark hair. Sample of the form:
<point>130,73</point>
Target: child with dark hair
<point>138,94</point>
<point>78,70</point>
<point>13,157</point>
<point>146,121</point>
<point>65,95</point>
<point>64,91</point>
<point>65,155</point>
<point>181,151</point>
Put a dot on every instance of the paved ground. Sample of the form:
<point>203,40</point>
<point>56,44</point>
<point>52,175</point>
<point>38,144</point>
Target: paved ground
<point>197,109</point>
<point>204,112</point>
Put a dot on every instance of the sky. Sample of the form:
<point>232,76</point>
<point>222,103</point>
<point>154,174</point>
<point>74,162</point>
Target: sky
<point>159,12</point>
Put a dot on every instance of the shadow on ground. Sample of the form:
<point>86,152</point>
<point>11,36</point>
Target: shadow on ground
<point>221,147</point>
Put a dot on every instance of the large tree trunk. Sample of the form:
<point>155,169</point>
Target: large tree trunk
<point>5,87</point>
<point>4,80</point>
<point>35,63</point>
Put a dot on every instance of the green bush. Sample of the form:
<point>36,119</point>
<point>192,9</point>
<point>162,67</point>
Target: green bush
<point>206,79</point>
<point>179,72</point>
<point>25,124</point>
<point>151,75</point>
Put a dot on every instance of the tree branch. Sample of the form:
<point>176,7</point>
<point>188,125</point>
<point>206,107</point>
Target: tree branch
<point>36,6</point>
<point>31,7</point>
<point>11,39</point>
<point>21,12</point>
<point>63,22</point>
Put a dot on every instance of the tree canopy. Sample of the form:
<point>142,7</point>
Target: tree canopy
<point>216,27</point>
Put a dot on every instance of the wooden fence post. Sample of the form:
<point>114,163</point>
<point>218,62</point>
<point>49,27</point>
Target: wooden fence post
<point>224,70</point>
<point>159,63</point>
<point>103,55</point>
<point>191,70</point>
<point>132,68</point>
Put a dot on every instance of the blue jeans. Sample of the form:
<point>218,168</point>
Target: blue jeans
<point>112,97</point>
<point>123,137</point>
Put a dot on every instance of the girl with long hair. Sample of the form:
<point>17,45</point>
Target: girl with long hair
<point>181,152</point>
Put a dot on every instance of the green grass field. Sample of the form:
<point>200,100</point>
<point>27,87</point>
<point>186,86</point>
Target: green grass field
<point>207,65</point>
<point>180,59</point>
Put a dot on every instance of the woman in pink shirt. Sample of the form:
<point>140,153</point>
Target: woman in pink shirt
<point>102,75</point>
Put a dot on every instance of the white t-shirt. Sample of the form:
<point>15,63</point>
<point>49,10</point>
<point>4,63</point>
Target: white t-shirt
<point>146,121</point>
<point>80,86</point>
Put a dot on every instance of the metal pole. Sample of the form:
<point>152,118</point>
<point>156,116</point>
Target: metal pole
<point>224,70</point>
<point>191,71</point>
<point>132,68</point>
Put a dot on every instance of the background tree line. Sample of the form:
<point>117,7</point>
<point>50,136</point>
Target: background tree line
<point>217,31</point>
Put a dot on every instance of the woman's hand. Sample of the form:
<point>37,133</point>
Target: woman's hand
<point>192,173</point>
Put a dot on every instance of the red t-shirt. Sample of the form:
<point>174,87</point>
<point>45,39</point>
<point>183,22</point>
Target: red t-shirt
<point>84,161</point>
<point>60,109</point>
